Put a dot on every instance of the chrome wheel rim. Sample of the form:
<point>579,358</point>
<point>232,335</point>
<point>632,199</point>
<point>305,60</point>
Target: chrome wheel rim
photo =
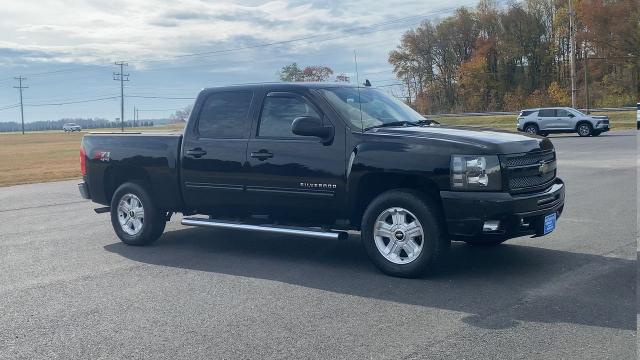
<point>398,235</point>
<point>131,214</point>
<point>584,130</point>
<point>531,130</point>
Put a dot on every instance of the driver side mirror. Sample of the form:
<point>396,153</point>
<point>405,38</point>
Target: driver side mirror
<point>311,126</point>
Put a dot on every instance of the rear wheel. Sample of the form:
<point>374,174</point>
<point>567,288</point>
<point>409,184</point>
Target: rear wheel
<point>134,217</point>
<point>584,129</point>
<point>403,233</point>
<point>531,129</point>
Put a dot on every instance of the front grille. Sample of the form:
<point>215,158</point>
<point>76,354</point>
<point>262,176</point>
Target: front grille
<point>529,159</point>
<point>531,181</point>
<point>525,173</point>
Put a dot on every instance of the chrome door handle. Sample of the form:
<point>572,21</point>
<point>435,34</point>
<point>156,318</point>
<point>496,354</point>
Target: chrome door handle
<point>196,153</point>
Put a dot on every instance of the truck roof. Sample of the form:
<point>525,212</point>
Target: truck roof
<point>284,85</point>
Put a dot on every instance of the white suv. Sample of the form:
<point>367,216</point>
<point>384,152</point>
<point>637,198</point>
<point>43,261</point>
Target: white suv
<point>544,121</point>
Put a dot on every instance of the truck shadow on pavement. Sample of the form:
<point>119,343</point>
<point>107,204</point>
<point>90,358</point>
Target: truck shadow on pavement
<point>499,287</point>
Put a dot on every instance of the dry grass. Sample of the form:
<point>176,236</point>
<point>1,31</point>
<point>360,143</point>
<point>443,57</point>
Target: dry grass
<point>44,156</point>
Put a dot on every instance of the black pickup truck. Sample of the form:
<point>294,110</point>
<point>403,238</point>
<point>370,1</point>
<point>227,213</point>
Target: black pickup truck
<point>323,159</point>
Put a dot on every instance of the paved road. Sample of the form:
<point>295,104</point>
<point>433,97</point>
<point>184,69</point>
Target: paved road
<point>70,290</point>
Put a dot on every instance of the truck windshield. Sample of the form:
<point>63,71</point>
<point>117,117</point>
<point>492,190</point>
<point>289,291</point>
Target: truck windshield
<point>378,108</point>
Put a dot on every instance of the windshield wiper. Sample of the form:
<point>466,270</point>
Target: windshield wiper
<point>402,123</point>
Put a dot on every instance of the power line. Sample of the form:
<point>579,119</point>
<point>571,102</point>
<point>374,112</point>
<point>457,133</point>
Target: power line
<point>9,106</point>
<point>161,97</point>
<point>355,29</point>
<point>20,87</point>
<point>122,77</point>
<point>74,102</point>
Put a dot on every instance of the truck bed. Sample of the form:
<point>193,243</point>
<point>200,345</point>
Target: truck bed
<point>150,157</point>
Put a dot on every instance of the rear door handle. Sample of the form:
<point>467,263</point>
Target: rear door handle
<point>261,155</point>
<point>196,153</point>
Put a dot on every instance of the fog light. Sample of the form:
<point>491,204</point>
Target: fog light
<point>491,225</point>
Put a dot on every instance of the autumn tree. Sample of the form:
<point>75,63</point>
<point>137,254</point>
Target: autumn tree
<point>293,73</point>
<point>508,57</point>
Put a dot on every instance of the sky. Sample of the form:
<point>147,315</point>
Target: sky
<point>67,48</point>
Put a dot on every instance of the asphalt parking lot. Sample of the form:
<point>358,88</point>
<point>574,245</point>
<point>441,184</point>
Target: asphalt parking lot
<point>70,290</point>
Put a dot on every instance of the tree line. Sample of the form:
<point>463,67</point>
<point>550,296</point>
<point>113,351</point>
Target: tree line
<point>495,58</point>
<point>91,123</point>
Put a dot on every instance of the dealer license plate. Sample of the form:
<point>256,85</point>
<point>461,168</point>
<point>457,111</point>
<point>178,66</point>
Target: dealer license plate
<point>549,223</point>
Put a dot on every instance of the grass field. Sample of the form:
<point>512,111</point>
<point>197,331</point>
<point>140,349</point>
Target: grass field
<point>45,156</point>
<point>54,155</point>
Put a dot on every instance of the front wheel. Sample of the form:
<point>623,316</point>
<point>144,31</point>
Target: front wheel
<point>403,233</point>
<point>531,129</point>
<point>134,216</point>
<point>584,129</point>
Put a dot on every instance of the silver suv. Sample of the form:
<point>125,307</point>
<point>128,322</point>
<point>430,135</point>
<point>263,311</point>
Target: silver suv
<point>71,127</point>
<point>544,121</point>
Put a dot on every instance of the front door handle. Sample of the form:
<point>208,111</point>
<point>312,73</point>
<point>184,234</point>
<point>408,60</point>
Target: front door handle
<point>196,153</point>
<point>262,155</point>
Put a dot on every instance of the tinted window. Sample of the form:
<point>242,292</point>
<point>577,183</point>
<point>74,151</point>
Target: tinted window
<point>526,112</point>
<point>562,113</point>
<point>547,112</point>
<point>279,112</point>
<point>224,115</point>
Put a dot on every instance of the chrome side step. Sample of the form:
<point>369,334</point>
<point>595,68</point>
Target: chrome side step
<point>276,229</point>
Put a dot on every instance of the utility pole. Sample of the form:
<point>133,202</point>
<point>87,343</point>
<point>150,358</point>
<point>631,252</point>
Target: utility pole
<point>20,87</point>
<point>586,81</point>
<point>572,54</point>
<point>122,77</point>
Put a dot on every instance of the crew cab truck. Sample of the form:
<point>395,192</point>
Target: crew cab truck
<point>323,159</point>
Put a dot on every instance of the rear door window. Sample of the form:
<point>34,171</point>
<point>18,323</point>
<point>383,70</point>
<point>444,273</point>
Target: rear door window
<point>547,112</point>
<point>225,115</point>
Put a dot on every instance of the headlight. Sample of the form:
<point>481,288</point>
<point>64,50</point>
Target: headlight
<point>473,172</point>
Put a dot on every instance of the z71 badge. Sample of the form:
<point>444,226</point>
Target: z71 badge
<point>104,156</point>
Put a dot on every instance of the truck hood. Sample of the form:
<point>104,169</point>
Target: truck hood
<point>489,141</point>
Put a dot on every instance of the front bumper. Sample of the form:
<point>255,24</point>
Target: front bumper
<point>84,190</point>
<point>518,214</point>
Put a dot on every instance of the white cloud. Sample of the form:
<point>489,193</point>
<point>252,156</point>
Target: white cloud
<point>99,32</point>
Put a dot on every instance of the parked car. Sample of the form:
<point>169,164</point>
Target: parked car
<point>322,159</point>
<point>71,127</point>
<point>544,121</point>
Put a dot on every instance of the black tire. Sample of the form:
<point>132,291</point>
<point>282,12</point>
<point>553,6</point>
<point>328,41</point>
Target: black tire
<point>532,129</point>
<point>596,133</point>
<point>153,221</point>
<point>584,129</point>
<point>434,243</point>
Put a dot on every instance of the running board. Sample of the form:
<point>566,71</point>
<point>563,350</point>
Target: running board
<point>289,230</point>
